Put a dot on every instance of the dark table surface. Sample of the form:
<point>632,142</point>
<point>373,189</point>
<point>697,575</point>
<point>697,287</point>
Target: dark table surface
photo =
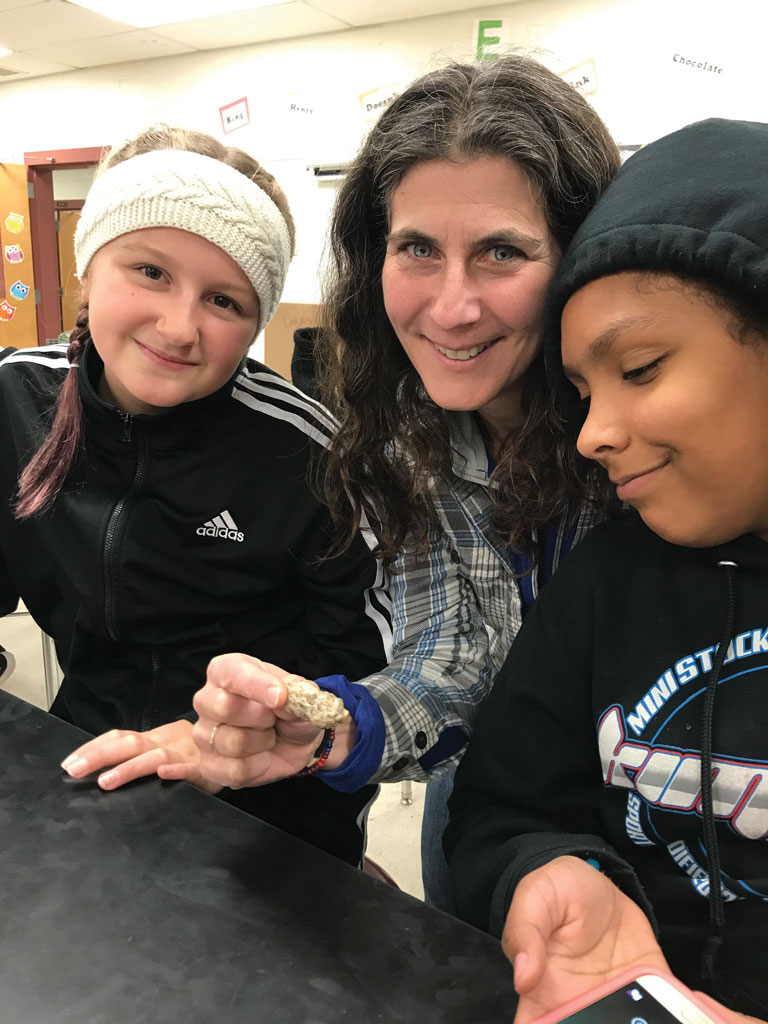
<point>158,903</point>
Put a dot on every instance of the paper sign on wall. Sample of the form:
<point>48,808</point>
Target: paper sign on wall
<point>582,77</point>
<point>377,100</point>
<point>235,115</point>
<point>696,62</point>
<point>300,105</point>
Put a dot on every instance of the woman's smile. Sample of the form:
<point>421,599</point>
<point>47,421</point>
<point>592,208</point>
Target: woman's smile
<point>464,354</point>
<point>469,258</point>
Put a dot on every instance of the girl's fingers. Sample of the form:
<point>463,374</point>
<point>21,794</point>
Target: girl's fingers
<point>111,748</point>
<point>135,768</point>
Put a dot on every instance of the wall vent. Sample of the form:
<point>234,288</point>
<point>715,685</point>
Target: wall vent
<point>328,172</point>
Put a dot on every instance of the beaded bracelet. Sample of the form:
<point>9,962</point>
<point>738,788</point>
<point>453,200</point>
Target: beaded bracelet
<point>322,754</point>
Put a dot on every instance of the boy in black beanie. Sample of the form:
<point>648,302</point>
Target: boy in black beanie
<point>628,729</point>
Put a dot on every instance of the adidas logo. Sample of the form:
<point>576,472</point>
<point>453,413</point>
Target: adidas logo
<point>222,525</point>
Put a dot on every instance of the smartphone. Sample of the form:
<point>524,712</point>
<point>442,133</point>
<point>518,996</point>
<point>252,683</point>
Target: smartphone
<point>644,996</point>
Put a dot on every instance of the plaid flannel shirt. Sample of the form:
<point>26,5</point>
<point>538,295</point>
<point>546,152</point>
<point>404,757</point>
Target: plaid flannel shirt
<point>456,613</point>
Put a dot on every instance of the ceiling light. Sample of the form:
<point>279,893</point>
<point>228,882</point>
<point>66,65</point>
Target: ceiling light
<point>4,52</point>
<point>148,13</point>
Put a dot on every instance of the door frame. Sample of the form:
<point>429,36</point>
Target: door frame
<point>40,166</point>
<point>65,206</point>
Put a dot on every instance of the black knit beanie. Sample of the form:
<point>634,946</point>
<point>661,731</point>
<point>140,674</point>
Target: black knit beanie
<point>694,203</point>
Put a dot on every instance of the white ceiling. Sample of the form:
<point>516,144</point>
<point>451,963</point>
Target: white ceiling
<point>50,36</point>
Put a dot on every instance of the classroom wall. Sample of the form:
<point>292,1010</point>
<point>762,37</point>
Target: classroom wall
<point>647,65</point>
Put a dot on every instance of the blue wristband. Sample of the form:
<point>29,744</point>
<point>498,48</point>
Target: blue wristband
<point>365,757</point>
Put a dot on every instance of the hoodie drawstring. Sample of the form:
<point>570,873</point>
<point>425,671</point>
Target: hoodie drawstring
<point>716,907</point>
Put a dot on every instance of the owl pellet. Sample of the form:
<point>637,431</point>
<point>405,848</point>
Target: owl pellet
<point>308,701</point>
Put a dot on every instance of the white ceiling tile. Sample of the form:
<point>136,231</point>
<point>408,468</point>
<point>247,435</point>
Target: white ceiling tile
<point>49,36</point>
<point>292,19</point>
<point>51,22</point>
<point>32,65</point>
<point>11,5</point>
<point>374,12</point>
<point>86,53</point>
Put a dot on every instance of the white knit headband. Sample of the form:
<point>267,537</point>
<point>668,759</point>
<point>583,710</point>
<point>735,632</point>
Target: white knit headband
<point>173,188</point>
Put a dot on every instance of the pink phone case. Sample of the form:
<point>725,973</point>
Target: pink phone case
<point>587,998</point>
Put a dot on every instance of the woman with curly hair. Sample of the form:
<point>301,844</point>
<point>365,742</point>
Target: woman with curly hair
<point>447,230</point>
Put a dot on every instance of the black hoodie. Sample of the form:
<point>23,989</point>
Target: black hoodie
<point>591,741</point>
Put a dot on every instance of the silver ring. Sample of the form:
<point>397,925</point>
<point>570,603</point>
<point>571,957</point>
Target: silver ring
<point>213,736</point>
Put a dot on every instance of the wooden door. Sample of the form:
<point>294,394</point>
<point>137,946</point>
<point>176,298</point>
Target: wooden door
<point>278,335</point>
<point>68,282</point>
<point>18,323</point>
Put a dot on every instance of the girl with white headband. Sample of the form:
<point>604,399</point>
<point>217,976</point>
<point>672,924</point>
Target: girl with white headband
<point>157,507</point>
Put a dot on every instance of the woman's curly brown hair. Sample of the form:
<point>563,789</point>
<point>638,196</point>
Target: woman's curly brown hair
<point>393,439</point>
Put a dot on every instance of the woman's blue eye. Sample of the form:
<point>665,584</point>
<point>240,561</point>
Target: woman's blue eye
<point>421,250</point>
<point>505,253</point>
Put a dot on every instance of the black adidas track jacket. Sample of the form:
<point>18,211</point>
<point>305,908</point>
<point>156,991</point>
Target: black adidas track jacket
<point>182,536</point>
